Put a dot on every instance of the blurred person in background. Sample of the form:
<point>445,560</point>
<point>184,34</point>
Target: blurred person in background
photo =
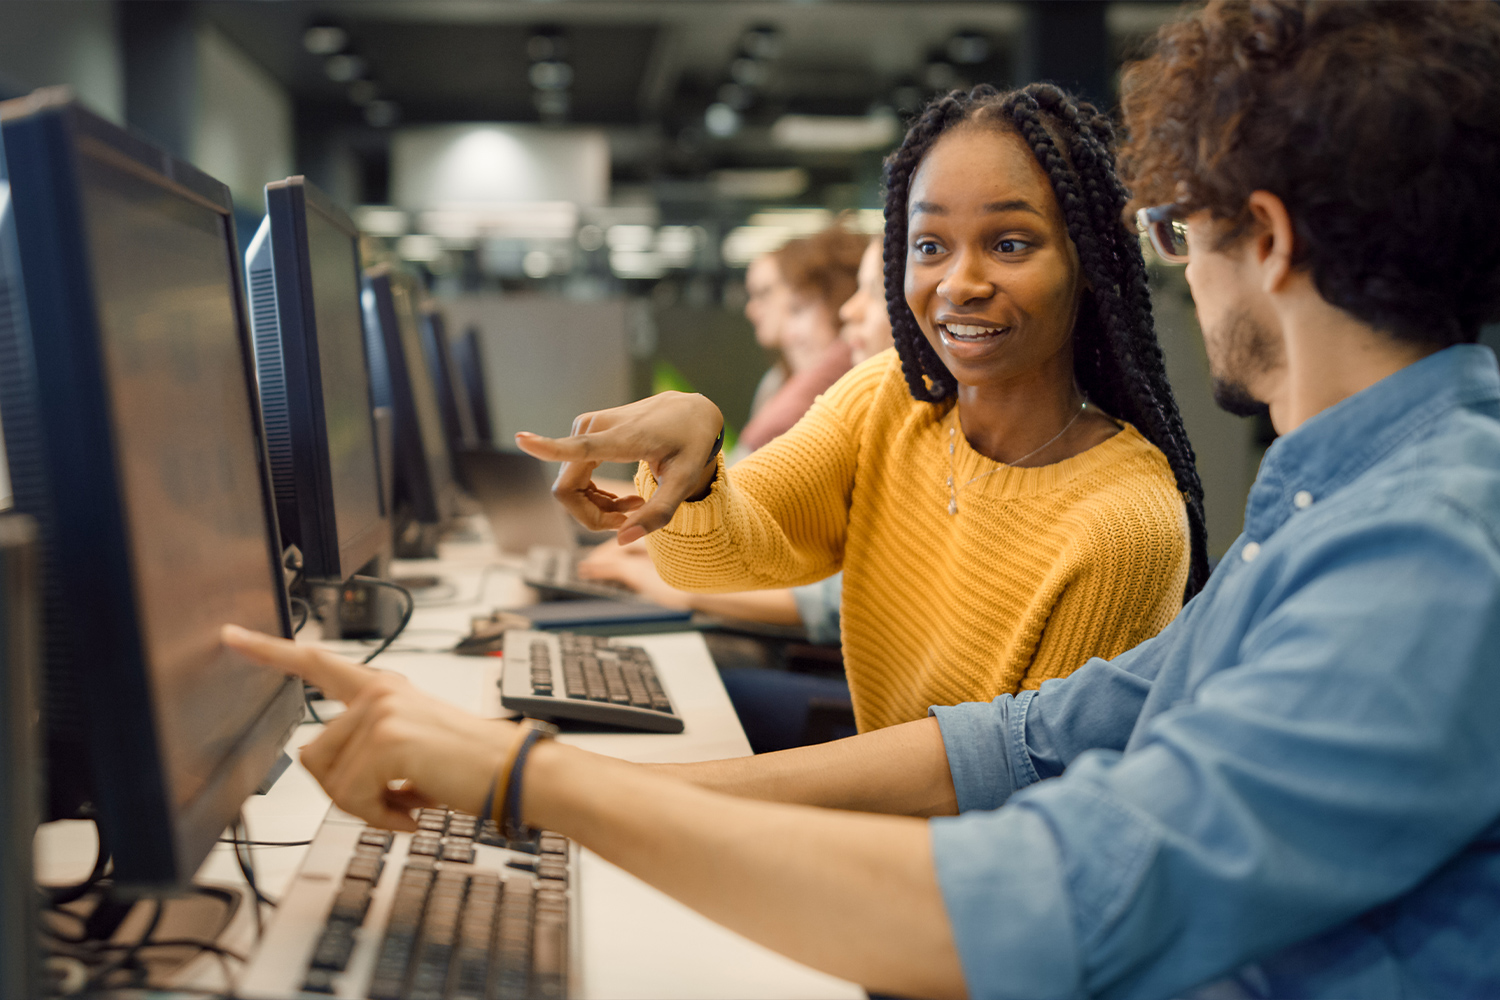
<point>766,299</point>
<point>820,274</point>
<point>865,321</point>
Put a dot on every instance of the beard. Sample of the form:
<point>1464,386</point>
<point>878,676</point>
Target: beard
<point>1241,350</point>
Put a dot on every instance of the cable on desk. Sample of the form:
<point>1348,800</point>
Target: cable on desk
<point>265,843</point>
<point>478,598</point>
<point>298,602</point>
<point>411,605</point>
<point>308,701</point>
<point>247,868</point>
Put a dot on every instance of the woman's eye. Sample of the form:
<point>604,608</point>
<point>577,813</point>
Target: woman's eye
<point>1011,246</point>
<point>926,247</point>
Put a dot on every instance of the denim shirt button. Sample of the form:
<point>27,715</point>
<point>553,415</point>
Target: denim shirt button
<point>1250,551</point>
<point>1302,500</point>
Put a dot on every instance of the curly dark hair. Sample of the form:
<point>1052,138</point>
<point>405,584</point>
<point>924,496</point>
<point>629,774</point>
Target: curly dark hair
<point>1376,124</point>
<point>1116,358</point>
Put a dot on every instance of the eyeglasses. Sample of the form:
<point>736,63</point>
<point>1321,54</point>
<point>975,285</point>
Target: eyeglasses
<point>1168,235</point>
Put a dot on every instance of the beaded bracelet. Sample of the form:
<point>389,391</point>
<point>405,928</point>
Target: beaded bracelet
<point>510,812</point>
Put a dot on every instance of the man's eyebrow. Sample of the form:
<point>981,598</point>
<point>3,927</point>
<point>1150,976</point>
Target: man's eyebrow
<point>1014,205</point>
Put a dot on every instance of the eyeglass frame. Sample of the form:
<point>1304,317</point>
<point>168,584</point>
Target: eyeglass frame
<point>1150,220</point>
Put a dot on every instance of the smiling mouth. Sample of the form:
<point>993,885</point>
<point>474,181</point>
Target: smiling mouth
<point>965,333</point>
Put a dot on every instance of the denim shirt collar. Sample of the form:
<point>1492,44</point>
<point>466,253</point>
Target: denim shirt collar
<point>1337,445</point>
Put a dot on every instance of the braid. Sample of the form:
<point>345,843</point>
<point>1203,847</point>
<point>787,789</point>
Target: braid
<point>1117,360</point>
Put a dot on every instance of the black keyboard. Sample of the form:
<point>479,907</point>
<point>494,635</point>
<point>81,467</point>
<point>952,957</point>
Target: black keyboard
<point>451,912</point>
<point>562,675</point>
<point>553,571</point>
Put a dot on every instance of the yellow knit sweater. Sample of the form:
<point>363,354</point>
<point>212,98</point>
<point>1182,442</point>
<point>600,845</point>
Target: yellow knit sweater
<point>1039,570</point>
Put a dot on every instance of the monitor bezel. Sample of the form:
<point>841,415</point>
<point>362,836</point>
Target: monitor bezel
<point>313,507</point>
<point>72,477</point>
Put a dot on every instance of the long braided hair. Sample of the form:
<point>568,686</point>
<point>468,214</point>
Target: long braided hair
<point>1116,358</point>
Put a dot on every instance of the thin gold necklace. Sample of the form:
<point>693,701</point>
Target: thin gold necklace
<point>953,491</point>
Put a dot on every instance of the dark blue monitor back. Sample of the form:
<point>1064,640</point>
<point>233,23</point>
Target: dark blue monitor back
<point>134,438</point>
<point>470,358</point>
<point>401,380</point>
<point>303,279</point>
<point>453,395</point>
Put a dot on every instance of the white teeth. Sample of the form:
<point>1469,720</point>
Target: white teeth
<point>965,332</point>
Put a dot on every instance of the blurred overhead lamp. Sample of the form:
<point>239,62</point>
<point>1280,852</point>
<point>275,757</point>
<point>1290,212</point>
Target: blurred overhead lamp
<point>324,39</point>
<point>550,75</point>
<point>419,247</point>
<point>344,68</point>
<point>536,264</point>
<point>380,220</point>
<point>382,114</point>
<point>968,48</point>
<point>721,120</point>
<point>762,42</point>
<point>362,92</point>
<point>835,133</point>
<point>552,105</point>
<point>546,45</point>
<point>590,237</point>
<point>763,184</point>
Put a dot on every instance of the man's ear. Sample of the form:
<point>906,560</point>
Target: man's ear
<point>1272,239</point>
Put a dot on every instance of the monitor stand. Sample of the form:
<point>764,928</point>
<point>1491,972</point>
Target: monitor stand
<point>354,610</point>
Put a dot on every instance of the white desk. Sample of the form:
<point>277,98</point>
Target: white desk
<point>637,942</point>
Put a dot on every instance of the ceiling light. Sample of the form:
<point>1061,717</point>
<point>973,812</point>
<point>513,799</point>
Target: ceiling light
<point>382,114</point>
<point>324,39</point>
<point>835,133</point>
<point>968,48</point>
<point>380,220</point>
<point>419,247</point>
<point>545,45</point>
<point>344,68</point>
<point>760,184</point>
<point>629,236</point>
<point>551,104</point>
<point>762,42</point>
<point>721,120</point>
<point>537,264</point>
<point>550,75</point>
<point>590,237</point>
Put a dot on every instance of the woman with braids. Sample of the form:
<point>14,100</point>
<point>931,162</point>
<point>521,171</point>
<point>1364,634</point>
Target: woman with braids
<point>1009,492</point>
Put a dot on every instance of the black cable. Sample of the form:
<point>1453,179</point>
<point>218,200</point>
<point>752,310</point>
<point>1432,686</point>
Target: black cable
<point>265,843</point>
<point>247,868</point>
<point>307,700</point>
<point>298,602</point>
<point>411,605</point>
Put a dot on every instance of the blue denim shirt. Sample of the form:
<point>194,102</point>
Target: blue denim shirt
<point>1294,789</point>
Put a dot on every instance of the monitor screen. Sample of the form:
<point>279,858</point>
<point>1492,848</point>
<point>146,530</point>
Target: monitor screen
<point>345,382</point>
<point>187,455</point>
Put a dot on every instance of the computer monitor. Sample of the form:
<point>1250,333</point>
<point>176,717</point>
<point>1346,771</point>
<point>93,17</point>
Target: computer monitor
<point>134,437</point>
<point>302,275</point>
<point>470,358</point>
<point>453,395</point>
<point>400,379</point>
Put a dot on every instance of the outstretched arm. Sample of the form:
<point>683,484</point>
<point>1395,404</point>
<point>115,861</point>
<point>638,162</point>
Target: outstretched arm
<point>852,894</point>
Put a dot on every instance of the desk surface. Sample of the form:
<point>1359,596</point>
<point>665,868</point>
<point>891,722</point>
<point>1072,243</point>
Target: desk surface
<point>637,942</point>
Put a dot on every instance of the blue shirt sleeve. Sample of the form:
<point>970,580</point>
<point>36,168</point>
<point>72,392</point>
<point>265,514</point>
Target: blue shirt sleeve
<point>1350,751</point>
<point>995,748</point>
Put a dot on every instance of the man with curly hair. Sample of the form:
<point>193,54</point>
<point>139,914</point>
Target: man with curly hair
<point>1294,789</point>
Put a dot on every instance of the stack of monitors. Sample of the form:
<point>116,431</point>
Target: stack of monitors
<point>134,435</point>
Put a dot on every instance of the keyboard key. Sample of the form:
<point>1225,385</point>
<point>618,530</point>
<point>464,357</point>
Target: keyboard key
<point>377,838</point>
<point>460,851</point>
<point>334,946</point>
